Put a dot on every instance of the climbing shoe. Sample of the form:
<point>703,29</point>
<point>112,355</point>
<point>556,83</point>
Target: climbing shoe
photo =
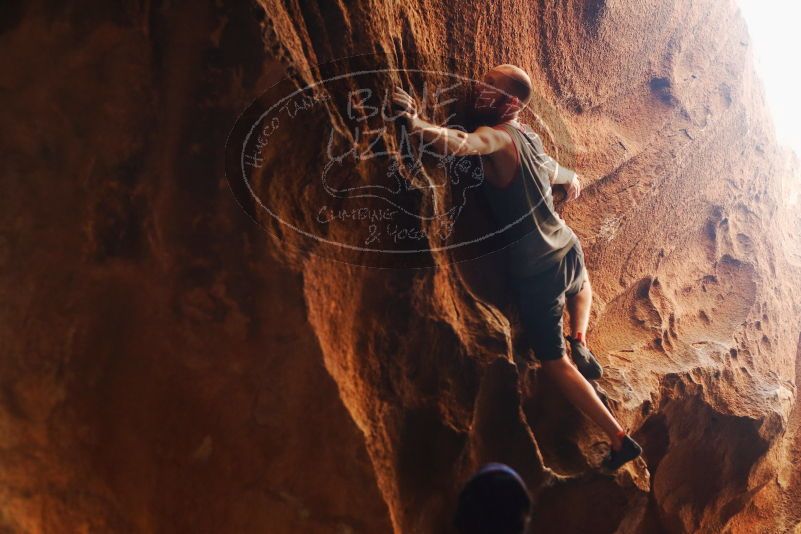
<point>586,363</point>
<point>629,450</point>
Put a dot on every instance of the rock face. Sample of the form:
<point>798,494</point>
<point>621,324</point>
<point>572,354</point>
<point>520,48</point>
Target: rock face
<point>168,366</point>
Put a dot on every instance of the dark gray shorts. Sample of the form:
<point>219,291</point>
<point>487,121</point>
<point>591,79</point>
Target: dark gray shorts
<point>540,299</point>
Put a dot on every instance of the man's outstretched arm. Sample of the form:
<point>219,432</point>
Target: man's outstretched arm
<point>449,141</point>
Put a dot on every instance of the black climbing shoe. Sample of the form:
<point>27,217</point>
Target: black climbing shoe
<point>586,363</point>
<point>629,451</point>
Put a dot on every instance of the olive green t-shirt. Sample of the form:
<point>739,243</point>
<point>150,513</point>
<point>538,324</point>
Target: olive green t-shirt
<point>524,208</point>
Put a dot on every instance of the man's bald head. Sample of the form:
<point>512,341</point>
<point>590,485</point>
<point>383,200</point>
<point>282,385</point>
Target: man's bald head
<point>506,89</point>
<point>511,79</point>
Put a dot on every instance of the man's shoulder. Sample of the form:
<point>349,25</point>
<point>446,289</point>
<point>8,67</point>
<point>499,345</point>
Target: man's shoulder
<point>529,132</point>
<point>505,140</point>
<point>522,130</point>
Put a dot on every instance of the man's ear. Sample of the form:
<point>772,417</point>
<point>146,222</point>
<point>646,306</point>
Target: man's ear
<point>511,105</point>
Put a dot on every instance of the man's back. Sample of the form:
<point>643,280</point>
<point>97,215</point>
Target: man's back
<point>518,189</point>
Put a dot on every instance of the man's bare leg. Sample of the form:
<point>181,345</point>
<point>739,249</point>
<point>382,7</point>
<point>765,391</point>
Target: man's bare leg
<point>578,307</point>
<point>574,386</point>
<point>582,395</point>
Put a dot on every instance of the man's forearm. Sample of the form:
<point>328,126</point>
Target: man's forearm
<point>439,138</point>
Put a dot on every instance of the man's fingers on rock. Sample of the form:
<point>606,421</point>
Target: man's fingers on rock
<point>574,192</point>
<point>401,93</point>
<point>402,99</point>
<point>400,102</point>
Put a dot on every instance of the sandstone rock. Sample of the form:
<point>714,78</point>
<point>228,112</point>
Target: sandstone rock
<point>169,366</point>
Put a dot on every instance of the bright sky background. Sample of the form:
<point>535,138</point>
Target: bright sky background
<point>775,28</point>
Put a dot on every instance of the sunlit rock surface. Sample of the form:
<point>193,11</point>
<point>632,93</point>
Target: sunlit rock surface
<point>169,366</point>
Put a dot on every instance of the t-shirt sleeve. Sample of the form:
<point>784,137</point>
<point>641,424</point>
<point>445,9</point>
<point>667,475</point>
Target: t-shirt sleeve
<point>557,174</point>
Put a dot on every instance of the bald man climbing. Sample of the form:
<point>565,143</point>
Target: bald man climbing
<point>546,263</point>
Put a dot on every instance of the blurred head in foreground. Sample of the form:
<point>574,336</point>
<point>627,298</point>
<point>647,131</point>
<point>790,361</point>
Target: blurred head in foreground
<point>494,501</point>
